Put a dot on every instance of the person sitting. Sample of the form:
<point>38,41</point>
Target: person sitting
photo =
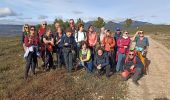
<point>132,67</point>
<point>49,43</point>
<point>101,62</point>
<point>85,57</point>
<point>68,45</point>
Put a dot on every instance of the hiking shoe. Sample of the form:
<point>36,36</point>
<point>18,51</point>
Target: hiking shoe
<point>136,83</point>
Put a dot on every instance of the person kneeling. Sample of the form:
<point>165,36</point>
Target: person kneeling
<point>132,67</point>
<point>101,62</point>
<point>85,57</point>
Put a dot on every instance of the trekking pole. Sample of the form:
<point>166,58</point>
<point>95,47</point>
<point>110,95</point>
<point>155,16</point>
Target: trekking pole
<point>45,65</point>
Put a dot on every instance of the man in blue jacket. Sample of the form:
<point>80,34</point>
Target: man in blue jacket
<point>101,62</point>
<point>68,45</point>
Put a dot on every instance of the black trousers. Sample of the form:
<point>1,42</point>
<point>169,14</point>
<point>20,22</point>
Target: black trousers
<point>48,59</point>
<point>31,62</point>
<point>105,68</point>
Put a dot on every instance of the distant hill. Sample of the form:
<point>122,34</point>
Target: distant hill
<point>10,30</point>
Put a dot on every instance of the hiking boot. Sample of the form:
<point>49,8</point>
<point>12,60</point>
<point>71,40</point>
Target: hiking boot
<point>136,83</point>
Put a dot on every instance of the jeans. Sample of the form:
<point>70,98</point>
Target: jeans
<point>60,58</point>
<point>88,65</point>
<point>119,66</point>
<point>68,58</point>
<point>31,61</point>
<point>111,58</point>
<point>48,59</point>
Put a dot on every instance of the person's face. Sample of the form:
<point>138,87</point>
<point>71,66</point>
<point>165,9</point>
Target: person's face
<point>59,30</point>
<point>71,23</point>
<point>81,28</point>
<point>26,28</point>
<point>100,52</point>
<point>68,34</point>
<point>131,55</point>
<point>125,34</point>
<point>102,30</point>
<point>49,32</point>
<point>84,46</point>
<point>108,33</point>
<point>57,25</point>
<point>118,32</point>
<point>141,34</point>
<point>44,24</point>
<point>32,31</point>
<point>91,29</point>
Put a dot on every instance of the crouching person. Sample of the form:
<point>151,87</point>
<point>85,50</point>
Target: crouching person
<point>31,43</point>
<point>49,43</point>
<point>68,45</point>
<point>101,62</point>
<point>133,67</point>
<point>85,57</point>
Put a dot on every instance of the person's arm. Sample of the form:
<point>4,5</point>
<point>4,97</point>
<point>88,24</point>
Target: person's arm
<point>134,37</point>
<point>52,42</point>
<point>95,41</point>
<point>119,44</point>
<point>88,56</point>
<point>106,61</point>
<point>95,61</point>
<point>46,41</point>
<point>22,38</point>
<point>113,43</point>
<point>61,43</point>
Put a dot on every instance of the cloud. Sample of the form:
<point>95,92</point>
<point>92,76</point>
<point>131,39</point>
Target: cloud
<point>42,17</point>
<point>77,12</point>
<point>153,16</point>
<point>4,12</point>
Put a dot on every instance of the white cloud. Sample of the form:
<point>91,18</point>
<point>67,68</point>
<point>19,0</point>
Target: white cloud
<point>4,12</point>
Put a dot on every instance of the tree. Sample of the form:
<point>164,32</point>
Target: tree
<point>128,23</point>
<point>99,22</point>
<point>79,21</point>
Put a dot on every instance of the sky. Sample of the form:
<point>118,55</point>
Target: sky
<point>35,11</point>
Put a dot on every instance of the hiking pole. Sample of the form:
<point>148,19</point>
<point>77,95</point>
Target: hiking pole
<point>45,54</point>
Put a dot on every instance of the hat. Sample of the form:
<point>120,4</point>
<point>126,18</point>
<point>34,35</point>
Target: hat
<point>68,30</point>
<point>117,29</point>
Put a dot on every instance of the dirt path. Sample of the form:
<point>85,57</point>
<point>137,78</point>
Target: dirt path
<point>155,85</point>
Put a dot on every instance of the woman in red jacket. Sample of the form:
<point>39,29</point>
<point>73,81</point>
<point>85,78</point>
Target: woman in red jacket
<point>31,42</point>
<point>91,39</point>
<point>108,43</point>
<point>123,45</point>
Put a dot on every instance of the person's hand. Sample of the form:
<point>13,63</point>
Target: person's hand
<point>125,47</point>
<point>102,45</point>
<point>99,66</point>
<point>132,67</point>
<point>66,44</point>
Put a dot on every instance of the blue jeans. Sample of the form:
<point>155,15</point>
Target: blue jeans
<point>88,65</point>
<point>119,66</point>
<point>68,58</point>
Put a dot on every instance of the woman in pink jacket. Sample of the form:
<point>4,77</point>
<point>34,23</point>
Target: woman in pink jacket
<point>123,44</point>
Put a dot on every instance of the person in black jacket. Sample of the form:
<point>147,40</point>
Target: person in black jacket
<point>68,45</point>
<point>101,62</point>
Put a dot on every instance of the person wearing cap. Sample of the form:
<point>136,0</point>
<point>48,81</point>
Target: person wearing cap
<point>123,44</point>
<point>118,34</point>
<point>101,62</point>
<point>68,45</point>
<point>108,43</point>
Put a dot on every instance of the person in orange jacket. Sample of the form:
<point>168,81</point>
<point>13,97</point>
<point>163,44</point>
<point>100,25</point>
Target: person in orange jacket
<point>108,43</point>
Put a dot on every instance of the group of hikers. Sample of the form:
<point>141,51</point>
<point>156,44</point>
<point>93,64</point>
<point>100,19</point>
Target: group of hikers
<point>77,48</point>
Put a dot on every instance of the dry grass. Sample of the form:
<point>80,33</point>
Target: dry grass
<point>53,85</point>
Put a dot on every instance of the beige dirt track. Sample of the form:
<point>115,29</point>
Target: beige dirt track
<point>155,85</point>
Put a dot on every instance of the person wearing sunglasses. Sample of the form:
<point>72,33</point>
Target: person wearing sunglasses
<point>123,44</point>
<point>41,32</point>
<point>142,45</point>
<point>31,42</point>
<point>132,67</point>
<point>48,41</point>
<point>25,32</point>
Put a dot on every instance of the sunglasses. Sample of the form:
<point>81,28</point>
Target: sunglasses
<point>25,27</point>
<point>131,54</point>
<point>44,24</point>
